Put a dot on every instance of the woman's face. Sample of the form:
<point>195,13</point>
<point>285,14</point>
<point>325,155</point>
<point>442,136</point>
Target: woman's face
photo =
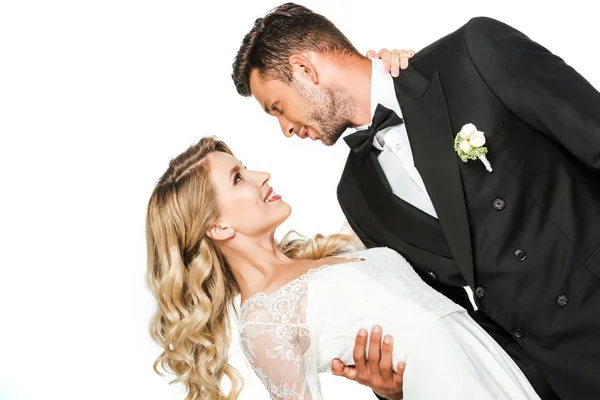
<point>246,201</point>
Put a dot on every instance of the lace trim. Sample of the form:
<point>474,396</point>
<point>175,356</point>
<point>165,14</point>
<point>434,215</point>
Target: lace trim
<point>258,296</point>
<point>280,318</point>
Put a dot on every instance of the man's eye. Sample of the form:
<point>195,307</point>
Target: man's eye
<point>275,107</point>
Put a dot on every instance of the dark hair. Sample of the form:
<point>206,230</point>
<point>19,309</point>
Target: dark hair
<point>285,30</point>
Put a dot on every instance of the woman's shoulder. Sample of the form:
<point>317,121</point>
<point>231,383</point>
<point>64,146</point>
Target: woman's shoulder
<point>285,306</point>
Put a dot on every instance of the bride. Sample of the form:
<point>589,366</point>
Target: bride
<point>210,236</point>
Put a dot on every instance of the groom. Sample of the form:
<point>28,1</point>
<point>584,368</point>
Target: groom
<point>525,236</point>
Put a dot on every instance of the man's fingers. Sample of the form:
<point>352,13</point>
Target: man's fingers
<point>385,364</point>
<point>360,348</point>
<point>371,54</point>
<point>399,376</point>
<point>374,351</point>
<point>337,367</point>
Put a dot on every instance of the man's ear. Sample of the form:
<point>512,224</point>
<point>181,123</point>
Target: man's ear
<point>303,69</point>
<point>220,232</point>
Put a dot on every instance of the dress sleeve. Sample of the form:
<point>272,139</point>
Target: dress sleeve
<point>280,356</point>
<point>275,338</point>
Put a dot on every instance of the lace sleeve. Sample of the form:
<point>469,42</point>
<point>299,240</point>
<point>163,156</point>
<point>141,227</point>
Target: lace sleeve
<point>276,353</point>
<point>275,339</point>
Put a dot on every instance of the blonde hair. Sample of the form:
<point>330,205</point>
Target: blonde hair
<point>191,280</point>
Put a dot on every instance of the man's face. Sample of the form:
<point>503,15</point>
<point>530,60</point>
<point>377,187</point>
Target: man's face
<point>303,108</point>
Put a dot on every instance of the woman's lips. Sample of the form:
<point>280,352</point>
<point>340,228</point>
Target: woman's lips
<point>268,198</point>
<point>269,191</point>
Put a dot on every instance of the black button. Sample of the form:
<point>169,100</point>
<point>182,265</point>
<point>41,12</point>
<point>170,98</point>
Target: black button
<point>518,333</point>
<point>499,204</point>
<point>432,275</point>
<point>562,300</point>
<point>520,255</point>
<point>480,292</point>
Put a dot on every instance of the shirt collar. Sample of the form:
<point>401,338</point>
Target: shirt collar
<point>382,92</point>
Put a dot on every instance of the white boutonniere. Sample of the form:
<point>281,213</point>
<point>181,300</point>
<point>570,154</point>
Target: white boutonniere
<point>469,145</point>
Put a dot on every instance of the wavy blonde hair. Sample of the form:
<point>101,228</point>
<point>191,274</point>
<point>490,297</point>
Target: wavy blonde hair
<point>191,280</point>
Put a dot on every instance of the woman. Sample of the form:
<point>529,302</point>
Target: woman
<point>210,232</point>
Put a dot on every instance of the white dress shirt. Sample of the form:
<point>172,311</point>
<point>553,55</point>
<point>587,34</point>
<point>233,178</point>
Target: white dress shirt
<point>396,158</point>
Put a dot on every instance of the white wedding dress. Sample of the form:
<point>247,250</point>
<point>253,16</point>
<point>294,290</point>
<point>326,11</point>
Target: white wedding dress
<point>293,334</point>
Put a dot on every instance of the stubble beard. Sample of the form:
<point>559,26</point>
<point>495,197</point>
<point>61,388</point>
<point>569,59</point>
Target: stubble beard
<point>330,111</point>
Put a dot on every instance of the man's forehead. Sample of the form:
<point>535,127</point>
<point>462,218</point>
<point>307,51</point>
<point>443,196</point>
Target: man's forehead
<point>256,85</point>
<point>262,90</point>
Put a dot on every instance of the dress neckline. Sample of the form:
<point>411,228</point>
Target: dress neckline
<point>306,275</point>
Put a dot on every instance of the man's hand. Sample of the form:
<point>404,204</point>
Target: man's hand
<point>374,370</point>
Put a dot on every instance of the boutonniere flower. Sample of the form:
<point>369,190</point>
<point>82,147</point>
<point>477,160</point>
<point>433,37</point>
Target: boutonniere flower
<point>469,145</point>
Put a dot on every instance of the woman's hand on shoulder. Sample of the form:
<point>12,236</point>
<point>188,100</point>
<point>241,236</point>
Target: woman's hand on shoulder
<point>393,60</point>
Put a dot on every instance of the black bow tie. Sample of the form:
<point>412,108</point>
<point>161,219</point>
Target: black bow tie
<point>361,142</point>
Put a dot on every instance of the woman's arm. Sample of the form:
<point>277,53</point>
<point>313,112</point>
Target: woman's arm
<point>278,355</point>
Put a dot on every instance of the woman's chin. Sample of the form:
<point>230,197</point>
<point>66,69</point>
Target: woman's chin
<point>286,211</point>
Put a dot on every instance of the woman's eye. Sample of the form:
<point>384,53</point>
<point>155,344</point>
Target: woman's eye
<point>237,178</point>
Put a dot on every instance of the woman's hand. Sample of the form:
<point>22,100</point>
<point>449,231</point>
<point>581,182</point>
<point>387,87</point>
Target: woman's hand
<point>393,60</point>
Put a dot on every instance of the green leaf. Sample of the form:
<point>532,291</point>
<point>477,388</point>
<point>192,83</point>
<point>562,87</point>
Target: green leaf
<point>473,154</point>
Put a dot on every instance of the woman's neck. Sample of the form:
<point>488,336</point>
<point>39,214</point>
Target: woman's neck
<point>253,263</point>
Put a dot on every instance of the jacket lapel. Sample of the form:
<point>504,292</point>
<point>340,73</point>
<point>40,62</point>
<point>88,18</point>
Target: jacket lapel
<point>400,218</point>
<point>432,141</point>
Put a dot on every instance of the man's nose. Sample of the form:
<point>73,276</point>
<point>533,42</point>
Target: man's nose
<point>286,127</point>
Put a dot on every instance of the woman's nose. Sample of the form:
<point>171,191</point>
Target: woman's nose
<point>261,178</point>
<point>266,177</point>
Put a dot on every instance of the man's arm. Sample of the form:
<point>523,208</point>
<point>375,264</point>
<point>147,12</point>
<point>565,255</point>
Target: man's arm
<point>537,86</point>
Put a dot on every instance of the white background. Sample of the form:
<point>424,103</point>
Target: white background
<point>96,97</point>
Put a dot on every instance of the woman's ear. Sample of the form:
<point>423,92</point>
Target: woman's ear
<point>220,232</point>
<point>303,69</point>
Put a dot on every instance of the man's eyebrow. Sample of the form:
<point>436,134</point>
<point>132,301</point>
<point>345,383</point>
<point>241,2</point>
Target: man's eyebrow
<point>267,108</point>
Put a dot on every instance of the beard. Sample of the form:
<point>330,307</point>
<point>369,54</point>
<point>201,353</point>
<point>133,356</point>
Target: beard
<point>330,111</point>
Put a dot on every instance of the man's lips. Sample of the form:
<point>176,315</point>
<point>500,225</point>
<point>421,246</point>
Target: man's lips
<point>303,133</point>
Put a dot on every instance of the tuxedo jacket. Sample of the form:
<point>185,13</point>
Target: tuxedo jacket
<point>525,237</point>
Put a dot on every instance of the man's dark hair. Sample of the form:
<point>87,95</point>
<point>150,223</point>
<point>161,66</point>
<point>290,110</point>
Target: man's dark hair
<point>286,30</point>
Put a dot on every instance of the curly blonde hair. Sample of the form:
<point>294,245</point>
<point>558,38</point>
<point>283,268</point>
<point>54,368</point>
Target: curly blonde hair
<point>191,280</point>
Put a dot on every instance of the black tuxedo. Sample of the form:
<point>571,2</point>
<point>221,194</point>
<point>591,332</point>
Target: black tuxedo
<point>526,237</point>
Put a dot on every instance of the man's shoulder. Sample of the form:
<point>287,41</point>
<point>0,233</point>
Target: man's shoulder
<point>485,30</point>
<point>477,31</point>
<point>482,24</point>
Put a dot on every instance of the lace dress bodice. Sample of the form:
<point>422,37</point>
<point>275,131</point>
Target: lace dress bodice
<point>294,333</point>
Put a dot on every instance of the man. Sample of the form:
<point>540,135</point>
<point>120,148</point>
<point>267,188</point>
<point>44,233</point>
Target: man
<point>523,232</point>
